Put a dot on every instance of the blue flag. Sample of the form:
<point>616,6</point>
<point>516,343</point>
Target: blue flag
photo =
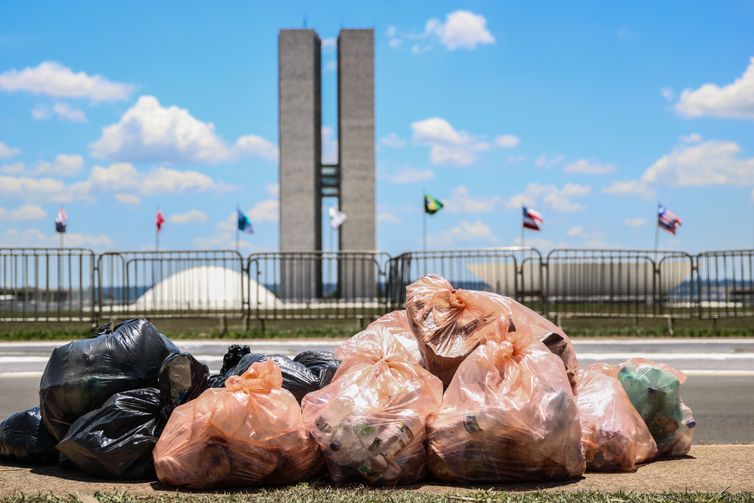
<point>244,223</point>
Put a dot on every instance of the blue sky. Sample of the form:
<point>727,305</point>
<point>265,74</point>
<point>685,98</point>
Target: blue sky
<point>590,112</point>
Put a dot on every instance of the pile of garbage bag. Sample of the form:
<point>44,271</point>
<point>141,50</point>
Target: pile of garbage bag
<point>464,386</point>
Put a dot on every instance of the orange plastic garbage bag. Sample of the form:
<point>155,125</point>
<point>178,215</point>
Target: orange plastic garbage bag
<point>248,433</point>
<point>509,414</point>
<point>370,421</point>
<point>613,433</point>
<point>396,322</point>
<point>449,323</point>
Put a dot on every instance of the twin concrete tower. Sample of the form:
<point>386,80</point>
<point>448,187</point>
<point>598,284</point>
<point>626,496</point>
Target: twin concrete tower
<point>304,179</point>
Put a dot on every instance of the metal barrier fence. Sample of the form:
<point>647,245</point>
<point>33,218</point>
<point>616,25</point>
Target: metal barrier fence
<point>46,284</point>
<point>317,285</point>
<point>171,284</point>
<point>75,285</point>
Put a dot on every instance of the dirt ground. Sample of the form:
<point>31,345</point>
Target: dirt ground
<point>708,468</point>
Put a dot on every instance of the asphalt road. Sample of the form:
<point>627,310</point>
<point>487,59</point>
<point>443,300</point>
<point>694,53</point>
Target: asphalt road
<point>720,386</point>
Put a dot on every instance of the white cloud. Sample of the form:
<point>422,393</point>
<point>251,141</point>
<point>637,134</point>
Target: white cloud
<point>667,93</point>
<point>224,236</point>
<point>149,132</point>
<point>507,140</point>
<point>635,222</point>
<point>388,217</point>
<point>630,187</point>
<point>710,162</point>
<point>691,138</point>
<point>411,175</point>
<point>258,146</point>
<point>124,177</point>
<point>393,141</point>
<point>329,43</point>
<point>36,238</point>
<point>546,162</point>
<point>63,165</point>
<point>273,189</point>
<point>62,110</point>
<point>53,79</point>
<point>447,145</point>
<point>559,199</point>
<point>25,212</point>
<point>189,217</point>
<point>541,244</point>
<point>461,201</point>
<point>329,146</point>
<point>265,211</point>
<point>586,167</point>
<point>460,30</point>
<point>463,232</point>
<point>576,232</point>
<point>41,189</point>
<point>127,198</point>
<point>734,100</point>
<point>7,152</point>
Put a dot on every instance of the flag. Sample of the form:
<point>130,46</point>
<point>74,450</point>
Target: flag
<point>244,222</point>
<point>532,219</point>
<point>159,220</point>
<point>61,221</point>
<point>432,205</point>
<point>668,220</point>
<point>337,217</point>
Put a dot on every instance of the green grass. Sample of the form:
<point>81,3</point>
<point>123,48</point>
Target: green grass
<point>309,493</point>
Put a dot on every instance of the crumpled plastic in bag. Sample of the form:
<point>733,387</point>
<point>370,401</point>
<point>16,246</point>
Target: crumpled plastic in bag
<point>233,356</point>
<point>449,323</point>
<point>614,436</point>
<point>396,322</point>
<point>322,364</point>
<point>654,389</point>
<point>81,375</point>
<point>23,437</point>
<point>116,440</point>
<point>370,421</point>
<point>248,433</point>
<point>509,414</point>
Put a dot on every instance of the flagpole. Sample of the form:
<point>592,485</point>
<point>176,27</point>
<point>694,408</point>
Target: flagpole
<point>523,236</point>
<point>238,232</point>
<point>424,221</point>
<point>157,232</point>
<point>657,229</point>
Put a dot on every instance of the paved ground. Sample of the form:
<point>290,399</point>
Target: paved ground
<point>709,468</point>
<point>720,388</point>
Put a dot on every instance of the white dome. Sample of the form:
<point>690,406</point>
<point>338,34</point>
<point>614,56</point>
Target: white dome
<point>204,288</point>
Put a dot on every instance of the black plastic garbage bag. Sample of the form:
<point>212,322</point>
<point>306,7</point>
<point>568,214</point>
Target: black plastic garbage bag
<point>23,437</point>
<point>322,363</point>
<point>297,378</point>
<point>116,440</point>
<point>182,378</point>
<point>81,375</point>
<point>233,356</point>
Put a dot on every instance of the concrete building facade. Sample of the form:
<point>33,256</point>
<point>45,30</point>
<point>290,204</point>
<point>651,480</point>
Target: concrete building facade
<point>305,181</point>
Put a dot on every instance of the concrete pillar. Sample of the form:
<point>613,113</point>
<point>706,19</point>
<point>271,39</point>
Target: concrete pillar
<point>300,141</point>
<point>358,275</point>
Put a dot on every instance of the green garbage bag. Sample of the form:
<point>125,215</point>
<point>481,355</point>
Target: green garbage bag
<point>654,390</point>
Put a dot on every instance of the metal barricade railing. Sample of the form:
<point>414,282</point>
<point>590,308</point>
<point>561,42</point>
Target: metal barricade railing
<point>606,283</point>
<point>46,284</point>
<point>171,284</point>
<point>515,272</point>
<point>317,285</point>
<point>725,283</point>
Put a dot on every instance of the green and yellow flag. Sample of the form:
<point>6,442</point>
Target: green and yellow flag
<point>432,205</point>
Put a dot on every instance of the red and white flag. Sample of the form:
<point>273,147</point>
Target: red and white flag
<point>532,219</point>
